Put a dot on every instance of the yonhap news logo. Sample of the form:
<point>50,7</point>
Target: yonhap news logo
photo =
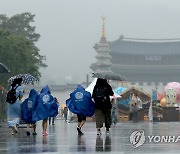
<point>138,138</point>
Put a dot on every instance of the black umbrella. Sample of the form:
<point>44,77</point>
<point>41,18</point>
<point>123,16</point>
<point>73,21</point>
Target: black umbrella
<point>4,68</point>
<point>109,76</point>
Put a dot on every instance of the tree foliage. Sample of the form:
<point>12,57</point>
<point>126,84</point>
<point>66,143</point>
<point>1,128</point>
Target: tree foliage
<point>20,25</point>
<point>17,46</point>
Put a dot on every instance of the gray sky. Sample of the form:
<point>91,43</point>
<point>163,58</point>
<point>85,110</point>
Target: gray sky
<point>70,28</point>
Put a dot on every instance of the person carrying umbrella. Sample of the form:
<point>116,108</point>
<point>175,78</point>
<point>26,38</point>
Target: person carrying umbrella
<point>14,112</point>
<point>101,95</point>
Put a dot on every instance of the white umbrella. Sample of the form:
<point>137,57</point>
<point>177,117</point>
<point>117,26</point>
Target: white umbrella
<point>91,87</point>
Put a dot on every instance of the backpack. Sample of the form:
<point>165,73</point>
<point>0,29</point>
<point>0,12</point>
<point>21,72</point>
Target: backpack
<point>11,96</point>
<point>100,95</point>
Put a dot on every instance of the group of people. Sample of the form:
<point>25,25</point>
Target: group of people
<point>15,111</point>
<point>101,97</point>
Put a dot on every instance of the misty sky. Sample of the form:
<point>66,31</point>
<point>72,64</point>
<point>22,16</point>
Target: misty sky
<point>70,28</point>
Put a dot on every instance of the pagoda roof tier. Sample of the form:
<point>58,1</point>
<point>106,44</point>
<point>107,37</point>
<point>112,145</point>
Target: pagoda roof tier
<point>103,57</point>
<point>103,64</point>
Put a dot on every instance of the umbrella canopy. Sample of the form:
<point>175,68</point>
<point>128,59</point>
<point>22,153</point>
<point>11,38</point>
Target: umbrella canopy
<point>136,90</point>
<point>4,68</point>
<point>154,95</point>
<point>91,87</point>
<point>119,90</point>
<point>108,76</point>
<point>26,78</point>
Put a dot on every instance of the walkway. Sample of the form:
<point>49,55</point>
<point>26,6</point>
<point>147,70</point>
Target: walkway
<point>63,139</point>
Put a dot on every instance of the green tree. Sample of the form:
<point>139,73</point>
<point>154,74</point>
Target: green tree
<point>20,55</point>
<point>17,45</point>
<point>18,50</point>
<point>20,24</point>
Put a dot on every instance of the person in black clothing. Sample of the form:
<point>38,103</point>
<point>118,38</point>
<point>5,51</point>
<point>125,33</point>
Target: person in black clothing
<point>101,95</point>
<point>81,121</point>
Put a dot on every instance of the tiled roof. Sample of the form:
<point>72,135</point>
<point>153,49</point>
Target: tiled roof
<point>146,46</point>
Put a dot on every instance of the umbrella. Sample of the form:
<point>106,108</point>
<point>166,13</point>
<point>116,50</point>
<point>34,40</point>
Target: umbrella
<point>108,76</point>
<point>91,87</point>
<point>119,90</point>
<point>26,78</point>
<point>154,95</point>
<point>4,68</point>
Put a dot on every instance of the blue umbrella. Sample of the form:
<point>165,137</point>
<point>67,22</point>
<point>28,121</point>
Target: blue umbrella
<point>154,95</point>
<point>80,102</point>
<point>119,90</point>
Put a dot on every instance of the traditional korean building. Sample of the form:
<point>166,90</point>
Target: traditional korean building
<point>140,60</point>
<point>146,60</point>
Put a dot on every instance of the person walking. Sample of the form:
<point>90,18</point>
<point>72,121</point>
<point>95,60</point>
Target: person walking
<point>65,112</point>
<point>135,112</point>
<point>28,129</point>
<point>114,112</point>
<point>101,95</point>
<point>131,111</point>
<point>52,120</point>
<point>14,112</point>
<point>81,122</point>
<point>44,127</point>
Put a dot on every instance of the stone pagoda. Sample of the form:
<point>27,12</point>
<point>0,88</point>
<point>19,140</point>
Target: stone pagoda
<point>103,63</point>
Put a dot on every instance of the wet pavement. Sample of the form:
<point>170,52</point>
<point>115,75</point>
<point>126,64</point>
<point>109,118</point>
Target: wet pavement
<point>63,139</point>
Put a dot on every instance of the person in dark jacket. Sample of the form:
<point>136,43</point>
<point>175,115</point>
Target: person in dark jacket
<point>101,95</point>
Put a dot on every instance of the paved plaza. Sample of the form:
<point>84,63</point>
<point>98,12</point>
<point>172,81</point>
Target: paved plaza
<point>63,139</point>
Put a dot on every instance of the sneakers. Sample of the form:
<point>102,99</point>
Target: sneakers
<point>34,133</point>
<point>79,131</point>
<point>28,133</point>
<point>98,131</point>
<point>45,133</point>
<point>14,128</point>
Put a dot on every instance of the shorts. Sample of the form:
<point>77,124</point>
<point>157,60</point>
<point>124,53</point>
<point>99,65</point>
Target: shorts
<point>81,118</point>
